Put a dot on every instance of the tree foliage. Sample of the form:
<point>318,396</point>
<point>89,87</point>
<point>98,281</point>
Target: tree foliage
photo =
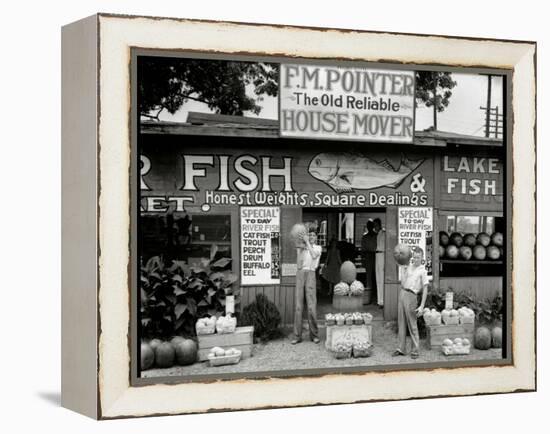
<point>433,88</point>
<point>168,83</point>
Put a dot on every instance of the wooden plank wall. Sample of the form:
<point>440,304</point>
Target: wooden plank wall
<point>281,295</point>
<point>481,287</point>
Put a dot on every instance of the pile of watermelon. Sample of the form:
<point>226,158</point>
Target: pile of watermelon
<point>165,354</point>
<point>479,247</point>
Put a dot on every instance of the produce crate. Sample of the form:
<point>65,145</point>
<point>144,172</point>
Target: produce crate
<point>347,303</point>
<point>336,333</point>
<point>242,339</point>
<point>233,359</point>
<point>436,334</point>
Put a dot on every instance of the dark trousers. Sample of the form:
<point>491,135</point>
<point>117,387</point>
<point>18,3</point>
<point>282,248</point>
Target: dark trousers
<point>305,288</point>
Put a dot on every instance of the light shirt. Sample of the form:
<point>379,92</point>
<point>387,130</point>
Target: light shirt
<point>305,261</point>
<point>414,278</point>
<point>381,240</point>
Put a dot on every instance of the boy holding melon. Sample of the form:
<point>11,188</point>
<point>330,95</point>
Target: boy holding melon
<point>414,279</point>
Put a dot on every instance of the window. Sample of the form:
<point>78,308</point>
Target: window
<point>466,224</point>
<point>186,237</point>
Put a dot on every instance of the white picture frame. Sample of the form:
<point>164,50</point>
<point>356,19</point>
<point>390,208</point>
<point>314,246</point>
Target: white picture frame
<point>96,135</point>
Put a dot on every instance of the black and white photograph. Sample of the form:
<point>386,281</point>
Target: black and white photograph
<point>299,217</point>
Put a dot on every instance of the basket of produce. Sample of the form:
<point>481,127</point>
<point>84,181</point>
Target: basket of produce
<point>220,357</point>
<point>340,319</point>
<point>330,319</point>
<point>343,350</point>
<point>357,318</point>
<point>348,319</point>
<point>362,349</point>
<point>449,316</point>
<point>460,346</point>
<point>367,317</point>
<point>431,317</point>
<point>466,315</point>
<point>226,324</point>
<point>206,326</point>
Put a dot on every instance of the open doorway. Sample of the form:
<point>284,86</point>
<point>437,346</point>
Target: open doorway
<point>341,234</point>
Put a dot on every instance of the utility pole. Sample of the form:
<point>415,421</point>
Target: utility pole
<point>488,106</point>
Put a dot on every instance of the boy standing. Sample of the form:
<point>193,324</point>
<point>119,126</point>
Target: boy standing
<point>414,278</point>
<point>307,262</point>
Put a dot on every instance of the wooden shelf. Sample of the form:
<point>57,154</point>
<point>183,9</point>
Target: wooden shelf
<point>208,243</point>
<point>471,261</point>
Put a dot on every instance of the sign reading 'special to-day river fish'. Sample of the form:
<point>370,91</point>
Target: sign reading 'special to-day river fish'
<point>415,226</point>
<point>260,245</point>
<point>346,103</point>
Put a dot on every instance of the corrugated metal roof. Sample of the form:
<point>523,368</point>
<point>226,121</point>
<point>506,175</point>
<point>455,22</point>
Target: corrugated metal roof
<point>241,126</point>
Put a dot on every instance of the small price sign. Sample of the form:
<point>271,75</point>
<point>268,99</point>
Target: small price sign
<point>448,300</point>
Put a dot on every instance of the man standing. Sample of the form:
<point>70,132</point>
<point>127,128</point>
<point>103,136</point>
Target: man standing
<point>414,278</point>
<point>368,252</point>
<point>379,260</point>
<point>307,262</point>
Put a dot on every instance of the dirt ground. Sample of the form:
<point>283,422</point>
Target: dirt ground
<point>280,355</point>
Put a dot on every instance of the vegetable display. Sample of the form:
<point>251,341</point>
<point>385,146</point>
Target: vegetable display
<point>458,346</point>
<point>348,318</point>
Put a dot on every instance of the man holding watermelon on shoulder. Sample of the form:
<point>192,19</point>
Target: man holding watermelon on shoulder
<point>414,278</point>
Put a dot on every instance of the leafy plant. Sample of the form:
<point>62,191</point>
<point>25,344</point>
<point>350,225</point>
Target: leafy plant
<point>264,316</point>
<point>175,295</point>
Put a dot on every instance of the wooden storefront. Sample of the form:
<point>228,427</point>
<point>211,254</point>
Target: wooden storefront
<point>199,174</point>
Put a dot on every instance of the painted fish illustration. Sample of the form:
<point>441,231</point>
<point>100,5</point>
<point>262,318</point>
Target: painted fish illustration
<point>346,172</point>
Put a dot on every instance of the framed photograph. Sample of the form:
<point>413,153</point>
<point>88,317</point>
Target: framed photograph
<point>257,216</point>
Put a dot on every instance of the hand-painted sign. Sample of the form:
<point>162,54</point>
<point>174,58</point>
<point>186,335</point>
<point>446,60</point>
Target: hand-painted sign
<point>174,179</point>
<point>346,103</point>
<point>260,245</point>
<point>415,226</point>
<point>468,180</point>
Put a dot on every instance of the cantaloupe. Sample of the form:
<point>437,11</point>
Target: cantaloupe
<point>482,338</point>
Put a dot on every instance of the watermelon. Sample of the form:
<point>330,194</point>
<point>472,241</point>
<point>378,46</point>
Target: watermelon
<point>465,252</point>
<point>165,355</point>
<point>297,234</point>
<point>452,252</point>
<point>443,238</point>
<point>402,254</point>
<point>482,338</point>
<point>483,239</point>
<point>470,240</point>
<point>441,251</point>
<point>186,352</point>
<point>147,356</point>
<point>497,239</point>
<point>496,337</point>
<point>456,239</point>
<point>348,272</point>
<point>479,253</point>
<point>493,252</point>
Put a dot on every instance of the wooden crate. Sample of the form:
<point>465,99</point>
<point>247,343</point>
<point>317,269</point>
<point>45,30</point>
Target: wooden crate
<point>336,332</point>
<point>242,339</point>
<point>438,333</point>
<point>346,303</point>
